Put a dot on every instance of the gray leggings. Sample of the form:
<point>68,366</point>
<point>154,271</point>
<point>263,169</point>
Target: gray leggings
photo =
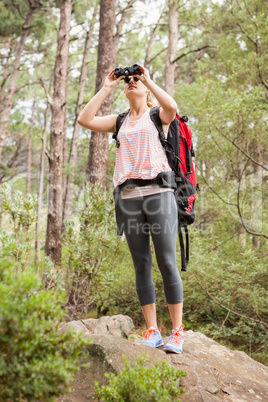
<point>156,214</point>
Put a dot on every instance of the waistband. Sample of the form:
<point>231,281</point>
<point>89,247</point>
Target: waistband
<point>163,179</point>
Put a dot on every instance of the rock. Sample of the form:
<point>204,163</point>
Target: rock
<point>77,326</point>
<point>117,325</point>
<point>214,373</point>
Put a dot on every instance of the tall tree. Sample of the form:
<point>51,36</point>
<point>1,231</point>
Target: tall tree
<point>65,142</point>
<point>6,104</point>
<point>41,186</point>
<point>98,153</point>
<point>72,160</point>
<point>55,154</point>
<point>172,47</point>
<point>29,156</point>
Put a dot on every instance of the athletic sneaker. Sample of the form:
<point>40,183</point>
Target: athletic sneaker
<point>152,337</point>
<point>175,341</point>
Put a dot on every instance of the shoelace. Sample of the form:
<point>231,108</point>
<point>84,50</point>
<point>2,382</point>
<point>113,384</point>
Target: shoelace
<point>177,335</point>
<point>148,333</point>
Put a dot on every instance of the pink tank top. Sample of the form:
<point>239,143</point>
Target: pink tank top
<point>140,155</point>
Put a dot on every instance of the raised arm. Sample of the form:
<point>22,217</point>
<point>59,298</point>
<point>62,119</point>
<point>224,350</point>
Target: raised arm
<point>168,105</point>
<point>88,119</point>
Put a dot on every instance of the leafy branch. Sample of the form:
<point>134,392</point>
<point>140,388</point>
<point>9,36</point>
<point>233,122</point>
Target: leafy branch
<point>192,51</point>
<point>229,310</point>
<point>240,149</point>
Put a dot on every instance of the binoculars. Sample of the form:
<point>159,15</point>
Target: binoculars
<point>127,71</point>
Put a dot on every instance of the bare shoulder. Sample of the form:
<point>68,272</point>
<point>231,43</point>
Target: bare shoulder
<point>101,124</point>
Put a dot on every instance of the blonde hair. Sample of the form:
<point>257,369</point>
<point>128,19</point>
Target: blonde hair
<point>150,100</point>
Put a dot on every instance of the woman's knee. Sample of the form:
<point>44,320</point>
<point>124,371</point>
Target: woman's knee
<point>142,263</point>
<point>169,271</point>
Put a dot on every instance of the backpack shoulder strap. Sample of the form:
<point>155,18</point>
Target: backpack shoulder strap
<point>119,121</point>
<point>154,115</point>
<point>169,146</point>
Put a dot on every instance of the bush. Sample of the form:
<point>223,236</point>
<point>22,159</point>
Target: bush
<point>89,249</point>
<point>158,383</point>
<point>36,362</point>
<point>225,294</point>
<point>21,210</point>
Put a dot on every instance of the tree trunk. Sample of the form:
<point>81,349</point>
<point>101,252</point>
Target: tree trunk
<point>69,189</point>
<point>172,48</point>
<point>41,188</point>
<point>29,156</point>
<point>55,157</point>
<point>7,104</point>
<point>65,146</point>
<point>98,153</point>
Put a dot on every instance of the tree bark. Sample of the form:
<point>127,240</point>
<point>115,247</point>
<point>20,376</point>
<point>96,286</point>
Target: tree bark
<point>41,188</point>
<point>172,48</point>
<point>69,189</point>
<point>29,153</point>
<point>65,144</point>
<point>98,153</point>
<point>55,156</point>
<point>7,104</point>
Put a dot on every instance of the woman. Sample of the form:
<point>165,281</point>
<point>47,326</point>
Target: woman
<point>148,207</point>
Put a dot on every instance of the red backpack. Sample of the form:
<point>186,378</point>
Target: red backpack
<point>179,151</point>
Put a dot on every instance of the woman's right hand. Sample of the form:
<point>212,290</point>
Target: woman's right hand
<point>111,81</point>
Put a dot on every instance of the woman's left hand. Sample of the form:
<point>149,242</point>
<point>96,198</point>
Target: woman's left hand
<point>145,77</point>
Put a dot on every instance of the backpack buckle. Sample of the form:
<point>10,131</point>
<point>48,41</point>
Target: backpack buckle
<point>114,137</point>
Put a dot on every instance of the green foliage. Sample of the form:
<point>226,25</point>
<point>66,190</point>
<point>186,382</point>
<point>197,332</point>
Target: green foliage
<point>228,104</point>
<point>11,247</point>
<point>225,296</point>
<point>89,247</point>
<point>36,362</point>
<point>141,383</point>
<point>10,21</point>
<point>82,8</point>
<point>13,15</point>
<point>21,210</point>
<point>51,276</point>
